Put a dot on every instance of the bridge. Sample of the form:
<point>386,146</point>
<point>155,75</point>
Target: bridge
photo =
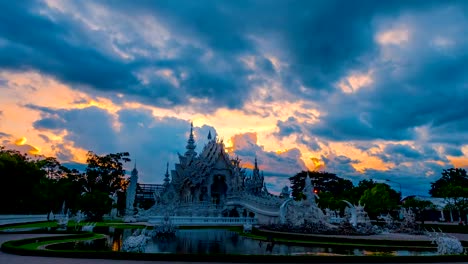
<point>204,221</point>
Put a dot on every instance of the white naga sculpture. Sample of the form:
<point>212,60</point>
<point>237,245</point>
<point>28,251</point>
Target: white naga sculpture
<point>62,219</point>
<point>356,214</point>
<point>446,245</point>
<point>136,242</point>
<point>297,213</point>
<point>409,218</point>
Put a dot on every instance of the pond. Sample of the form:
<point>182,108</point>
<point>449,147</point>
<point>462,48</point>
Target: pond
<point>222,241</point>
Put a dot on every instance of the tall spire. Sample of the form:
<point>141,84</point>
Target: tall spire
<point>166,176</point>
<point>191,144</point>
<point>135,171</point>
<point>256,171</point>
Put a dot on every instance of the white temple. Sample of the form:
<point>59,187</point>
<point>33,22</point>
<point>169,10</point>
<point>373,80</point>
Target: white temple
<point>212,188</point>
<point>212,184</point>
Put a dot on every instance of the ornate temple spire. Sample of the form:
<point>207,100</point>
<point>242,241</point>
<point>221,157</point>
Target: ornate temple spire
<point>166,176</point>
<point>134,171</point>
<point>209,135</point>
<point>256,171</point>
<point>191,144</point>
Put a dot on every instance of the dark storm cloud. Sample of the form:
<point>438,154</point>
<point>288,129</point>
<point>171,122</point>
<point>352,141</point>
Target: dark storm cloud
<point>288,127</point>
<point>320,40</point>
<point>89,128</point>
<point>57,48</point>
<point>417,89</point>
<point>399,153</point>
<point>403,150</point>
<point>64,47</point>
<point>453,151</point>
<point>48,123</point>
<point>412,179</point>
<point>151,141</point>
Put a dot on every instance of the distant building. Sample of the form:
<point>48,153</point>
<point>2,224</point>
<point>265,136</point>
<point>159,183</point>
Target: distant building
<point>144,197</point>
<point>439,212</point>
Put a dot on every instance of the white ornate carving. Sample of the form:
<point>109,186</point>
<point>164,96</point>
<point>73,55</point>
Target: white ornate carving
<point>356,214</point>
<point>446,245</point>
<point>136,242</point>
<point>89,227</point>
<point>62,218</point>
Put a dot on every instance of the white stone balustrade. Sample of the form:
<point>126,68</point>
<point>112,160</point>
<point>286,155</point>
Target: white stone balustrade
<point>204,221</point>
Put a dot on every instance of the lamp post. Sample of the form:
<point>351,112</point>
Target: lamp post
<point>399,184</point>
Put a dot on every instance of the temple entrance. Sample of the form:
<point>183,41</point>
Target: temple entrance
<point>218,189</point>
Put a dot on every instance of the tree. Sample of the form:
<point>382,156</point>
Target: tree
<point>453,187</point>
<point>418,207</point>
<point>380,199</point>
<point>356,193</point>
<point>21,179</point>
<point>52,167</point>
<point>330,188</point>
<point>104,176</point>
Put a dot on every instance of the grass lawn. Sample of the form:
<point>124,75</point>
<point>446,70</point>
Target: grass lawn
<point>31,225</point>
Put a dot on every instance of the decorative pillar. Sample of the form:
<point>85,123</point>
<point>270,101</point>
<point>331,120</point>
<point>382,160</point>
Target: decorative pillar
<point>130,199</point>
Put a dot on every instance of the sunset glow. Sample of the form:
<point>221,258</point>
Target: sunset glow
<point>366,95</point>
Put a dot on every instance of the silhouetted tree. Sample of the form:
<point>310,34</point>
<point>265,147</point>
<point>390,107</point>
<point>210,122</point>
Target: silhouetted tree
<point>380,199</point>
<point>104,176</point>
<point>453,187</point>
<point>329,187</point>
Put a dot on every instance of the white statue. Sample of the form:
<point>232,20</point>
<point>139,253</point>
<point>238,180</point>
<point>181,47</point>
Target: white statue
<point>298,213</point>
<point>136,242</point>
<point>62,219</point>
<point>113,213</point>
<point>88,227</point>
<point>446,245</point>
<point>131,193</point>
<point>356,214</point>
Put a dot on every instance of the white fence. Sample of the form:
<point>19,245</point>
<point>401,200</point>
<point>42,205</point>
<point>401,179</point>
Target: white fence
<point>204,221</point>
<point>13,219</point>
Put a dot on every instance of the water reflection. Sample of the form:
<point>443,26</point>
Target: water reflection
<point>221,241</point>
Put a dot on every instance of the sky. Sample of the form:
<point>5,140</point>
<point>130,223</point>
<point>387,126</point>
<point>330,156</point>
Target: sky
<point>364,89</point>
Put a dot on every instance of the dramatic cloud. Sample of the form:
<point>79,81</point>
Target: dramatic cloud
<point>359,88</point>
<point>282,162</point>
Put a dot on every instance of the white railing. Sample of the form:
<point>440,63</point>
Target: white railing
<point>13,219</point>
<point>204,221</point>
<point>256,208</point>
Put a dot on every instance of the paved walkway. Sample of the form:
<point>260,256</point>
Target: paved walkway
<point>16,219</point>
